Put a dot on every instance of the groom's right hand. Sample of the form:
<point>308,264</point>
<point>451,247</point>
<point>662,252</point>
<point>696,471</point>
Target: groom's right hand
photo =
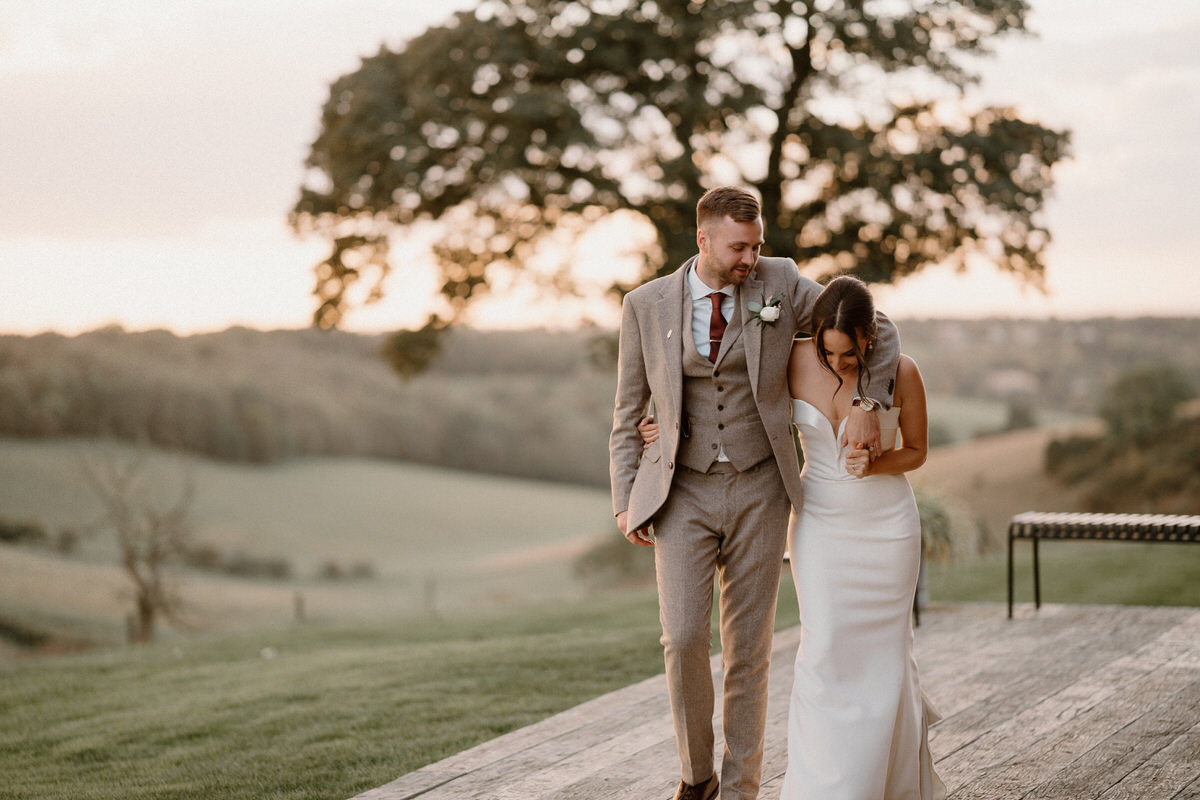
<point>640,537</point>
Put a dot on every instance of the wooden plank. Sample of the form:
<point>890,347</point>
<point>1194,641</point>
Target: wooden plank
<point>1070,702</point>
<point>1190,792</point>
<point>1114,757</point>
<point>1030,748</point>
<point>1032,684</point>
<point>580,720</point>
<point>1165,774</point>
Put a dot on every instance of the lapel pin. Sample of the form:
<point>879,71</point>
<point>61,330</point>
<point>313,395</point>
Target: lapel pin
<point>669,333</point>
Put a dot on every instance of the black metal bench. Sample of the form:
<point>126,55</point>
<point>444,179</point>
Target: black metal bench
<point>1035,525</point>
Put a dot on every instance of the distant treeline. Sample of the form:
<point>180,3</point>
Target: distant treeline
<point>522,403</point>
<point>1064,365</point>
<point>525,403</point>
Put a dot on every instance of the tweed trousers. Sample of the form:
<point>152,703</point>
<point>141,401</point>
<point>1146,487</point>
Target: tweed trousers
<point>732,525</point>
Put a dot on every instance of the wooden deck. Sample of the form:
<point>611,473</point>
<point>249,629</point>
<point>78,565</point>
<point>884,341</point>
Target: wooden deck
<point>1065,703</point>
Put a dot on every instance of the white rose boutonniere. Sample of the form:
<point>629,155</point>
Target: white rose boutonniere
<point>766,312</point>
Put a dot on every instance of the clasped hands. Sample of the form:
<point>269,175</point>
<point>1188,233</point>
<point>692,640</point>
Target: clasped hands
<point>862,433</point>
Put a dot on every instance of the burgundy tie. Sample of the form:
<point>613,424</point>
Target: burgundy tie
<point>716,326</point>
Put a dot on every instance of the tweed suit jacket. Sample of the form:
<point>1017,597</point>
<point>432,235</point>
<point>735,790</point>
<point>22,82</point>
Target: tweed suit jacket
<point>650,369</point>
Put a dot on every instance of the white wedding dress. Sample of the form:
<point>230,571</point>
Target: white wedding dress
<point>858,722</point>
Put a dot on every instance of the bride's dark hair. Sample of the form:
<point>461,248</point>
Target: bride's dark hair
<point>846,306</point>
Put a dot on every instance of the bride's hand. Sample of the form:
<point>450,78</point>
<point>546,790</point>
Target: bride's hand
<point>858,461</point>
<point>648,430</point>
<point>862,430</point>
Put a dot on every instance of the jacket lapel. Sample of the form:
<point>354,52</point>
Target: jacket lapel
<point>752,289</point>
<point>670,319</point>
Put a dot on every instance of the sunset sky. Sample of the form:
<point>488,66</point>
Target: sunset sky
<point>149,153</point>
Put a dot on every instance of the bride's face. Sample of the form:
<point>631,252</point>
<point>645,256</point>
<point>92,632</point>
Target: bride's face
<point>839,352</point>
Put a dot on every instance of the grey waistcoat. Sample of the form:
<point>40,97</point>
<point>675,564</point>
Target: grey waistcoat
<point>718,406</point>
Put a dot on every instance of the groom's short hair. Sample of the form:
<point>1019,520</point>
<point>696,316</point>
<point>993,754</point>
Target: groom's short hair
<point>727,201</point>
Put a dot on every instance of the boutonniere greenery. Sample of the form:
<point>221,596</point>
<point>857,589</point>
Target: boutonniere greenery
<point>766,312</point>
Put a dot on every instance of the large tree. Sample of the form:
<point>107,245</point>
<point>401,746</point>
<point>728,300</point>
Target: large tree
<point>527,121</point>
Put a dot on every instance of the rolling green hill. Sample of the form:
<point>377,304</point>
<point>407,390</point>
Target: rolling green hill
<point>433,539</point>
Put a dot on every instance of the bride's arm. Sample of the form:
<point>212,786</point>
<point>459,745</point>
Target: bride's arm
<point>914,427</point>
<point>802,354</point>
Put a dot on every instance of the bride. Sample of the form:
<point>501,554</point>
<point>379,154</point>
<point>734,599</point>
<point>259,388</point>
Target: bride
<point>857,722</point>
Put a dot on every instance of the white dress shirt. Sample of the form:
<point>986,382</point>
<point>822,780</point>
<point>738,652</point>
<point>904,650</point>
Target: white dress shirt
<point>702,308</point>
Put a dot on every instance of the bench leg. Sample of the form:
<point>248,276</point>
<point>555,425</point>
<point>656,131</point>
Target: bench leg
<point>1037,580</point>
<point>1010,574</point>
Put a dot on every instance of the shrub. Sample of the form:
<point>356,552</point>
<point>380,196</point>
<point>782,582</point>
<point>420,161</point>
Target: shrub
<point>1161,475</point>
<point>947,532</point>
<point>937,536</point>
<point>1072,459</point>
<point>247,566</point>
<point>1144,400</point>
<point>67,541</point>
<point>205,557</point>
<point>23,532</point>
<point>333,571</point>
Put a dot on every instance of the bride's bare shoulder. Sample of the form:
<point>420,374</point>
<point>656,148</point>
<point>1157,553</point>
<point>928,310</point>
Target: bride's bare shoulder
<point>803,351</point>
<point>909,383</point>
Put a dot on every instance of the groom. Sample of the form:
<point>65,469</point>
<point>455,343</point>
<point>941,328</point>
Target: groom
<point>709,346</point>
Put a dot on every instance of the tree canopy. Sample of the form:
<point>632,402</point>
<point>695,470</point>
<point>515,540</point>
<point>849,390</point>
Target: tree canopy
<point>526,121</point>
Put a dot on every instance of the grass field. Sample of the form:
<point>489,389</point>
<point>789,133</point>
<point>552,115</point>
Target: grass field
<point>314,712</point>
<point>1101,573</point>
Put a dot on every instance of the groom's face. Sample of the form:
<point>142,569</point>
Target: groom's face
<point>728,251</point>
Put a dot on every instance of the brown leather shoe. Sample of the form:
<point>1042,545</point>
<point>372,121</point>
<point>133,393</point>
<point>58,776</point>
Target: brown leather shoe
<point>700,791</point>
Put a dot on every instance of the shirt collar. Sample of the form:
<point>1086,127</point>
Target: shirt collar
<point>699,288</point>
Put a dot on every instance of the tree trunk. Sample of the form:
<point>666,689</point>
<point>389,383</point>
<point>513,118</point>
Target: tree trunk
<point>144,628</point>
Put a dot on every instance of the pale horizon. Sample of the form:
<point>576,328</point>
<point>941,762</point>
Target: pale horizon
<point>151,154</point>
